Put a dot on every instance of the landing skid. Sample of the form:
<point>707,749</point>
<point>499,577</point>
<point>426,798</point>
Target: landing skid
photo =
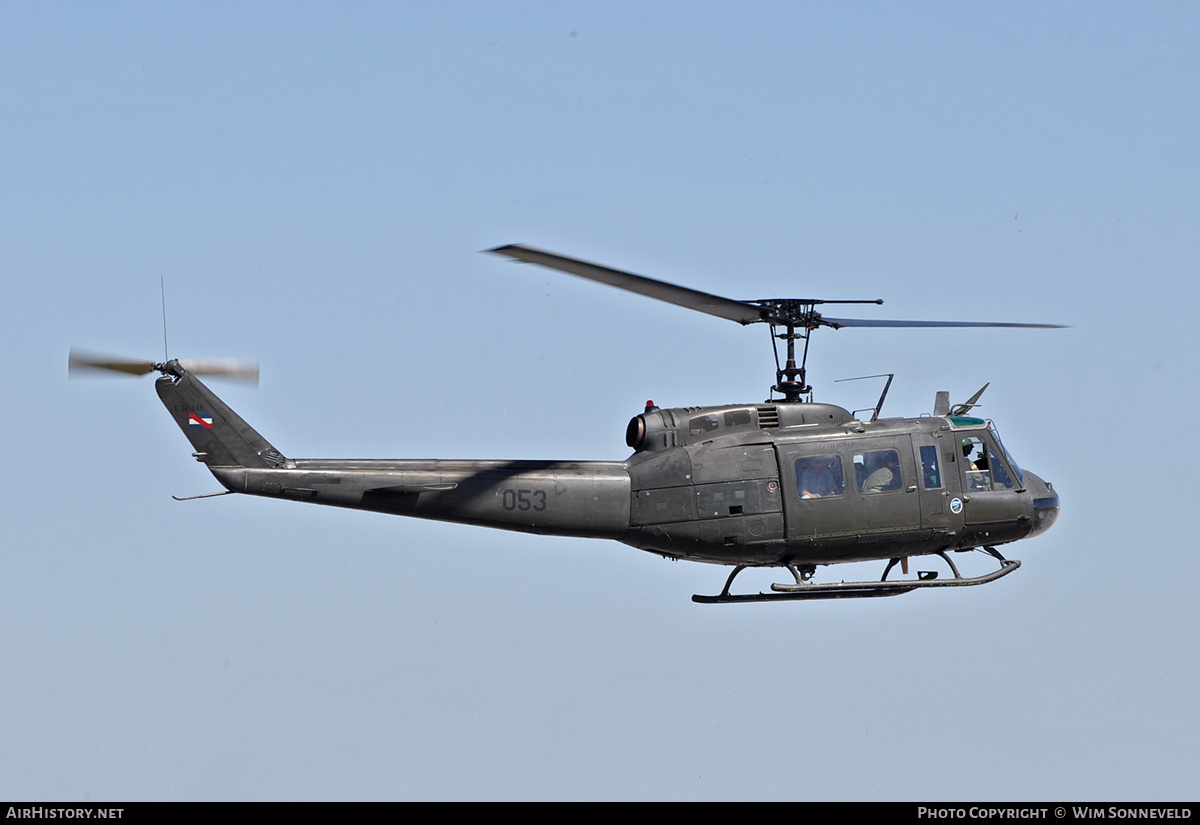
<point>802,589</point>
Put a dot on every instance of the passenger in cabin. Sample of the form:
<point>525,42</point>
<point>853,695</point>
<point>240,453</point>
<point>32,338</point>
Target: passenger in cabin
<point>886,476</point>
<point>817,477</point>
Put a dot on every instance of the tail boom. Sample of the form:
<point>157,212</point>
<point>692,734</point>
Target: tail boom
<point>567,498</point>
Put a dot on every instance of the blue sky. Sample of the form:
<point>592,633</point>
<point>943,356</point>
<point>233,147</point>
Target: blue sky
<point>314,183</point>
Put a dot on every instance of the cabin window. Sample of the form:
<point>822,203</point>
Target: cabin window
<point>877,471</point>
<point>931,474</point>
<point>820,476</point>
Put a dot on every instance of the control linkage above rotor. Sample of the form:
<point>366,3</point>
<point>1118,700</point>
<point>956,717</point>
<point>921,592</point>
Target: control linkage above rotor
<point>798,315</point>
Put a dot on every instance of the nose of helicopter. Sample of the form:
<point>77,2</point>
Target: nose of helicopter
<point>1045,504</point>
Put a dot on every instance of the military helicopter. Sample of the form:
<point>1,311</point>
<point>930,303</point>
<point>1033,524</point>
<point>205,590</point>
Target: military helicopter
<point>787,482</point>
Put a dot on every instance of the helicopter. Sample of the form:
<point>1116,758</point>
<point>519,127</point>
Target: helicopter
<point>788,482</point>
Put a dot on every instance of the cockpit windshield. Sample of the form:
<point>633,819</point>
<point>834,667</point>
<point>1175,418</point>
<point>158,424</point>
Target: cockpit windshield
<point>1011,461</point>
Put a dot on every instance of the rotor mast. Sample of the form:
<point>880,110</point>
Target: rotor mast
<point>793,314</point>
<point>789,380</point>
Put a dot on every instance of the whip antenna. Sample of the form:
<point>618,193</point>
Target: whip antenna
<point>162,288</point>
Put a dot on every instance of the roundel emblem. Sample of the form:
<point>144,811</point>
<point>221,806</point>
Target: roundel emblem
<point>956,505</point>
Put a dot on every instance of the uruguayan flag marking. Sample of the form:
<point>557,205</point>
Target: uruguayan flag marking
<point>200,421</point>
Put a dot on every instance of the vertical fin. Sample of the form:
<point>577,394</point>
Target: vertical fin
<point>219,435</point>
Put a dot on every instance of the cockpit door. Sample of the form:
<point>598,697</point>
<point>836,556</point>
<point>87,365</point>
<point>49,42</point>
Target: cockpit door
<point>990,488</point>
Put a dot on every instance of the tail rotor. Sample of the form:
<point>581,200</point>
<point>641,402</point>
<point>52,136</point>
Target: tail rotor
<point>83,363</point>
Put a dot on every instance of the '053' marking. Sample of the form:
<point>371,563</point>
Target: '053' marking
<point>523,499</point>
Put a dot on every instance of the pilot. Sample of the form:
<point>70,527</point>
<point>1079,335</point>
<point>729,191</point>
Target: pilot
<point>886,476</point>
<point>980,462</point>
<point>977,475</point>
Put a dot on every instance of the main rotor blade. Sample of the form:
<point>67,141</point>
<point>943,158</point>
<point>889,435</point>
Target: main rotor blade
<point>739,311</point>
<point>860,322</point>
<point>81,362</point>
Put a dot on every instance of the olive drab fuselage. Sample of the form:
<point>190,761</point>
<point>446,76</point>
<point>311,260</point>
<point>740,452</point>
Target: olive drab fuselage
<point>777,484</point>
